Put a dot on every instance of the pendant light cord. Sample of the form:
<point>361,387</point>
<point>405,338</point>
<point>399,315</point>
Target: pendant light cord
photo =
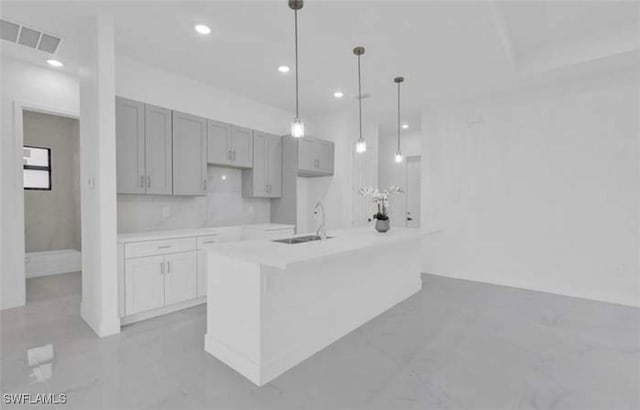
<point>359,97</point>
<point>295,19</point>
<point>398,150</point>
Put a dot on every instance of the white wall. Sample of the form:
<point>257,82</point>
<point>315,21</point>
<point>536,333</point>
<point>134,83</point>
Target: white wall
<point>344,207</point>
<point>224,204</point>
<point>99,306</point>
<point>539,190</point>
<point>393,173</point>
<point>38,87</point>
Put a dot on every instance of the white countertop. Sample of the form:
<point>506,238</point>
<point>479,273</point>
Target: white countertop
<point>280,255</point>
<point>186,233</point>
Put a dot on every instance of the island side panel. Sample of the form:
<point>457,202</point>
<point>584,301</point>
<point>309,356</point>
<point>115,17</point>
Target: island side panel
<point>310,305</point>
<point>233,313</point>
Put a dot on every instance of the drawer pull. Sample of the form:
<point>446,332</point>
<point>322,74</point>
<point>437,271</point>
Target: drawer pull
<point>212,241</point>
<point>164,247</point>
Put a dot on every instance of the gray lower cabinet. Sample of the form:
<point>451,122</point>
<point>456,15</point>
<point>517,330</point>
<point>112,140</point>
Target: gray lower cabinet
<point>315,157</point>
<point>229,145</point>
<point>264,180</point>
<point>189,154</point>
<point>159,280</point>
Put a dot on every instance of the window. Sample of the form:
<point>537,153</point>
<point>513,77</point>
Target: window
<point>37,168</point>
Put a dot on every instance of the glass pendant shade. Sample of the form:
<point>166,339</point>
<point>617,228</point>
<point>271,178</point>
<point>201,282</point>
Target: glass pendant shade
<point>399,157</point>
<point>297,128</point>
<point>361,146</point>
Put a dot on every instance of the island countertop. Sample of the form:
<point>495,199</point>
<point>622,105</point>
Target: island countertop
<point>280,255</point>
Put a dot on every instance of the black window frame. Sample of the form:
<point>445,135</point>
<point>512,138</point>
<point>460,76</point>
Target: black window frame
<point>39,168</point>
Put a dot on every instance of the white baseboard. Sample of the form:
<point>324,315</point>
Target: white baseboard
<point>52,262</point>
<point>136,317</point>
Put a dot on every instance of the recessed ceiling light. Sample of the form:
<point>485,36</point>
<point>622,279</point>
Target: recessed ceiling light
<point>284,69</point>
<point>54,63</point>
<point>405,126</point>
<point>202,29</point>
<point>338,94</point>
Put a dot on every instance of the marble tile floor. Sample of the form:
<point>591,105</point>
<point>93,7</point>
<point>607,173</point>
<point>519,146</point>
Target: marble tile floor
<point>454,345</point>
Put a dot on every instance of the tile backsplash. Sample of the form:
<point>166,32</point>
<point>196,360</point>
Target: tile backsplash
<point>223,205</point>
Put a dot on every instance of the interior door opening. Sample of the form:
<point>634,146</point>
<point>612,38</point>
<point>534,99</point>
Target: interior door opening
<point>52,223</point>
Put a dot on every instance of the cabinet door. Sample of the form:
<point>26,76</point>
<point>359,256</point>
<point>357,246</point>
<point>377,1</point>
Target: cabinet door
<point>130,147</point>
<point>241,147</point>
<point>325,157</point>
<point>144,284</point>
<point>189,154</point>
<point>307,155</point>
<point>180,277</point>
<point>274,166</point>
<point>219,138</point>
<point>260,171</point>
<point>201,280</point>
<point>158,151</point>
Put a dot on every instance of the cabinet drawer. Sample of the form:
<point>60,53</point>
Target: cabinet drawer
<point>279,233</point>
<point>207,240</point>
<point>160,247</point>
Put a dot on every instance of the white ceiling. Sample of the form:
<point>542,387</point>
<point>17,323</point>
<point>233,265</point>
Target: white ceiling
<point>447,50</point>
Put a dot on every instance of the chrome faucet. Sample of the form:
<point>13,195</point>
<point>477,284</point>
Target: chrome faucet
<point>322,229</point>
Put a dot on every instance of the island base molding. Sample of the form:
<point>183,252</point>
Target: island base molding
<point>262,320</point>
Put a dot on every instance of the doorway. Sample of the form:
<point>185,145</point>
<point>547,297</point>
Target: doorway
<point>412,185</point>
<point>51,182</point>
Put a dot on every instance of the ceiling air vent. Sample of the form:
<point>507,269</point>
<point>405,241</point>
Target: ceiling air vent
<point>29,37</point>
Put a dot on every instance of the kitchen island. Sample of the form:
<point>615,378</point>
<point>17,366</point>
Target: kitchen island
<point>271,305</point>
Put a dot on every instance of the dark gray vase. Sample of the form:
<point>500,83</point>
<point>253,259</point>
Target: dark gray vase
<point>382,225</point>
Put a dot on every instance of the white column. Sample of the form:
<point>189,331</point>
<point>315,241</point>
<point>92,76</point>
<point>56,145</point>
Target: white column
<point>99,306</point>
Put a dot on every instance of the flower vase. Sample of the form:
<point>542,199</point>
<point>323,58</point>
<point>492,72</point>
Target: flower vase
<point>382,225</point>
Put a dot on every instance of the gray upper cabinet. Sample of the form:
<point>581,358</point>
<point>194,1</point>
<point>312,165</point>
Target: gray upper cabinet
<point>218,151</point>
<point>143,148</point>
<point>242,147</point>
<point>158,151</point>
<point>130,147</point>
<point>189,154</point>
<point>229,145</point>
<point>315,157</point>
<point>264,180</point>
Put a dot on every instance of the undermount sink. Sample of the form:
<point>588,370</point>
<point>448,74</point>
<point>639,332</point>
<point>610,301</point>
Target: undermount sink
<point>300,239</point>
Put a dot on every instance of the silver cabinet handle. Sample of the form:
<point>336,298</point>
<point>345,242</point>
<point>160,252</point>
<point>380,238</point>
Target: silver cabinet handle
<point>141,181</point>
<point>229,155</point>
<point>164,247</point>
<point>148,181</point>
<point>234,154</point>
<point>211,241</point>
<point>162,268</point>
<point>204,185</point>
<point>168,266</point>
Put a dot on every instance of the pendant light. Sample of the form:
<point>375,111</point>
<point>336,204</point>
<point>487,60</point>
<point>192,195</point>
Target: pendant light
<point>361,145</point>
<point>399,157</point>
<point>297,126</point>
